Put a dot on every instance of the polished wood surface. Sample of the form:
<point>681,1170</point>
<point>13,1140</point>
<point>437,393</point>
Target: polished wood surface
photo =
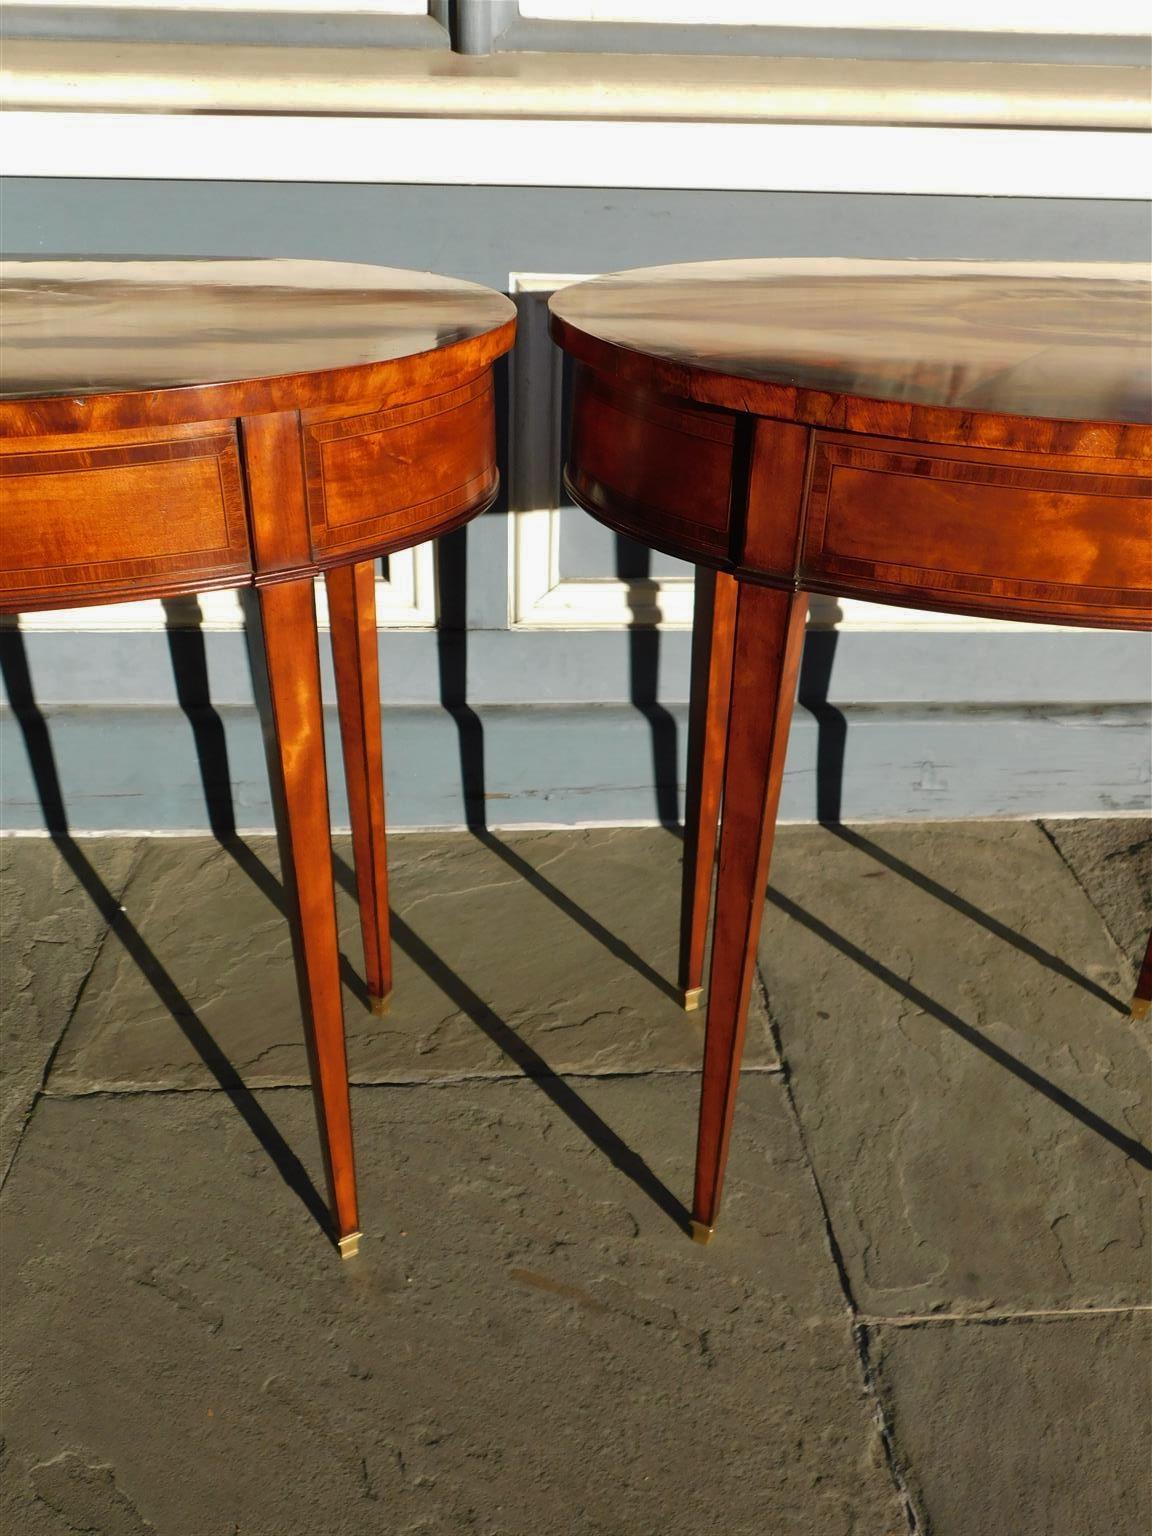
<point>713,630</point>
<point>294,734</point>
<point>1142,997</point>
<point>79,519</point>
<point>172,427</point>
<point>135,326</point>
<point>352,613</point>
<point>992,532</point>
<point>391,339</point>
<point>946,497</point>
<point>394,477</point>
<point>1070,342</point>
<point>968,437</point>
<point>768,645</point>
<point>642,462</point>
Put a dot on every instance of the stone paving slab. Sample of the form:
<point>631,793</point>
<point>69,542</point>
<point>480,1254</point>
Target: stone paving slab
<point>51,929</point>
<point>1112,859</point>
<point>527,1346</point>
<point>973,1095</point>
<point>560,947</point>
<point>1033,1428</point>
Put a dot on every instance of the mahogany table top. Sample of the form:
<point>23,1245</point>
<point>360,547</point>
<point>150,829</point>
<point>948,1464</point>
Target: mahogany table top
<point>1066,342</point>
<point>86,327</point>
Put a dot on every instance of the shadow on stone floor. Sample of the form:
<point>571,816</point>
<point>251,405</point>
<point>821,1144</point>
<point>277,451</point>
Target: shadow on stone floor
<point>987,1153</point>
<point>927,1297</point>
<point>176,1004</point>
<point>957,1193</point>
<point>1128,1145</point>
<point>189,660</point>
<point>525,1343</point>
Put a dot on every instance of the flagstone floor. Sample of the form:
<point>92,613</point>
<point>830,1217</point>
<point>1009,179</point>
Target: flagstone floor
<point>926,1309</point>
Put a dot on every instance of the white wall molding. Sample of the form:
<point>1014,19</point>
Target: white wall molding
<point>540,597</point>
<point>93,75</point>
<point>406,600</point>
<point>453,151</point>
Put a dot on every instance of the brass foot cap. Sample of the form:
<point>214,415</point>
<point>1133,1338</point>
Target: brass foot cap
<point>702,1233</point>
<point>380,1005</point>
<point>1140,1006</point>
<point>691,998</point>
<point>349,1246</point>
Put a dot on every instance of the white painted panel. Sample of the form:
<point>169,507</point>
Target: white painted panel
<point>1108,17</point>
<point>779,157</point>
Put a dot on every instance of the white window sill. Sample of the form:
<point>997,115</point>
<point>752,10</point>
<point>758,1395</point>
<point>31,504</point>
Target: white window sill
<point>46,75</point>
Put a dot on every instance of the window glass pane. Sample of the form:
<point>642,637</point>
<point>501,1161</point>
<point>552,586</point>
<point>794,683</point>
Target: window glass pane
<point>326,7</point>
<point>1129,17</point>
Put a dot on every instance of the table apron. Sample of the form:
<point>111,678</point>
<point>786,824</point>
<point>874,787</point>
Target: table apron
<point>113,516</point>
<point>1003,533</point>
<point>941,526</point>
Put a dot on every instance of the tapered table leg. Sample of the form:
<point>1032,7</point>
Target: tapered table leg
<point>1142,997</point>
<point>713,623</point>
<point>352,613</point>
<point>769,640</point>
<point>294,735</point>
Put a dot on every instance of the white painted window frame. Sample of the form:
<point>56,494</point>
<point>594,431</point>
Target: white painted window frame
<point>541,598</point>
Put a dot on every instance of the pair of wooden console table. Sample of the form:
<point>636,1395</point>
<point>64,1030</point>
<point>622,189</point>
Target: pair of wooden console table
<point>962,436</point>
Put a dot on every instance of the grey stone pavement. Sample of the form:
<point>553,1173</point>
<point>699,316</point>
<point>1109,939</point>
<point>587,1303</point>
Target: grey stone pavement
<point>926,1309</point>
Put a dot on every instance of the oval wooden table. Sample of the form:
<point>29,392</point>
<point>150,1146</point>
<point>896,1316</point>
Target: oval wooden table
<point>960,436</point>
<point>173,427</point>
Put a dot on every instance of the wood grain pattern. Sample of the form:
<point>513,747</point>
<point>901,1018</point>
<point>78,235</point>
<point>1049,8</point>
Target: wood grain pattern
<point>647,465</point>
<point>93,346</point>
<point>390,478</point>
<point>713,627</point>
<point>80,520</point>
<point>277,497</point>
<point>1142,997</point>
<point>140,326</point>
<point>352,614</point>
<point>971,437</point>
<point>766,661</point>
<point>958,352</point>
<point>294,737</point>
<point>170,427</point>
<point>775,499</point>
<point>1067,539</point>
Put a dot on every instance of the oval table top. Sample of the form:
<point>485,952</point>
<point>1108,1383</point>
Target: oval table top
<point>93,327</point>
<point>1065,342</point>
<point>174,426</point>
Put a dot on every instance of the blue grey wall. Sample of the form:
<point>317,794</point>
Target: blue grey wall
<point>157,731</point>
